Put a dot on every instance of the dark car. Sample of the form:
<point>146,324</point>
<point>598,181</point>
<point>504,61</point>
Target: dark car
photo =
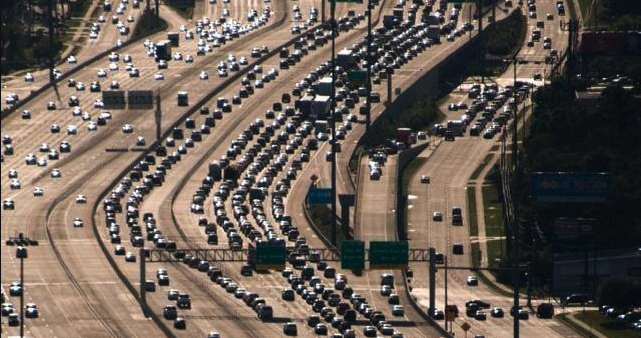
<point>545,310</point>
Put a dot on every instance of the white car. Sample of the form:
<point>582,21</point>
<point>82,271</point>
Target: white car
<point>55,173</point>
<point>222,73</point>
<point>140,141</point>
<point>101,19</point>
<point>127,128</point>
<point>78,223</point>
<point>93,35</point>
<point>92,126</point>
<point>80,198</point>
<point>15,183</point>
<point>28,77</point>
<point>86,117</point>
<point>203,75</point>
<point>398,310</point>
<point>113,57</point>
<point>37,191</point>
<point>127,58</point>
<point>98,104</point>
<point>177,56</point>
<point>102,73</point>
<point>130,19</point>
<point>42,162</point>
<point>189,59</point>
<point>72,59</point>
<point>113,66</point>
<point>159,76</point>
<point>119,43</point>
<point>72,129</point>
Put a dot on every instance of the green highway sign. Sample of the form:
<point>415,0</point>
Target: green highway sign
<point>388,254</point>
<point>270,257</point>
<point>353,255</point>
<point>357,75</point>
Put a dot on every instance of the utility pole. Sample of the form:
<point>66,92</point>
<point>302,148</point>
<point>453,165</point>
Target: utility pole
<point>51,53</point>
<point>157,9</point>
<point>481,50</point>
<point>445,306</point>
<point>368,104</point>
<point>158,116</point>
<point>333,117</point>
<point>323,11</point>
<point>515,226</point>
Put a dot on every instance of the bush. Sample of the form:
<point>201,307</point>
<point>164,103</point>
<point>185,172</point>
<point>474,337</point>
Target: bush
<point>620,291</point>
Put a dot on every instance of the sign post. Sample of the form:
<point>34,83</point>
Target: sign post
<point>319,196</point>
<point>270,257</point>
<point>353,255</point>
<point>388,254</point>
<point>140,99</point>
<point>113,99</point>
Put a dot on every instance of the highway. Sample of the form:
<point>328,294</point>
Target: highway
<point>449,168</point>
<point>82,290</point>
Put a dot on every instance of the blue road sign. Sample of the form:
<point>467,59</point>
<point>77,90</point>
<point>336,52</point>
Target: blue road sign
<point>319,196</point>
<point>571,187</point>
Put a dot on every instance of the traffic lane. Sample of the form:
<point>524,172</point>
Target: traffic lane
<point>407,75</point>
<point>377,206</point>
<point>106,39</point>
<point>150,126</point>
<point>138,54</point>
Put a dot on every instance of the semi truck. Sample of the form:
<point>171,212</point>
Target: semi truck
<point>390,21</point>
<point>163,50</point>
<point>321,106</point>
<point>304,105</point>
<point>456,126</point>
<point>173,37</point>
<point>324,86</point>
<point>403,135</point>
<point>345,59</point>
<point>434,33</point>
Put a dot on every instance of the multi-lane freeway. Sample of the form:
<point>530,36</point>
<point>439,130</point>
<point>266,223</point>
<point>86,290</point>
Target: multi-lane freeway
<point>68,163</point>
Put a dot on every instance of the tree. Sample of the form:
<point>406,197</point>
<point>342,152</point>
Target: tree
<point>620,291</point>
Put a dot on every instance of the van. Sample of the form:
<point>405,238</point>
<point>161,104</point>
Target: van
<point>150,285</point>
<point>457,249</point>
<point>265,312</point>
<point>545,310</point>
<point>387,279</point>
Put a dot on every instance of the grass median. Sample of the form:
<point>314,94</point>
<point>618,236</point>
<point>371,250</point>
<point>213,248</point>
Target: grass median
<point>604,325</point>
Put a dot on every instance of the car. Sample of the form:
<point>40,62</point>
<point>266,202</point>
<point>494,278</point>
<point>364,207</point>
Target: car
<point>398,310</point>
<point>549,16</point>
<point>15,183</point>
<point>55,173</point>
<point>203,75</point>
<point>26,114</point>
<point>437,216</point>
<point>545,310</point>
<point>369,331</point>
<point>437,314</point>
<point>480,315</point>
<point>119,250</point>
<point>130,257</point>
<point>290,329</point>
<point>127,128</point>
<point>213,334</point>
<point>480,303</point>
<point>472,281</point>
<point>29,77</point>
<point>425,179</point>
<point>497,312</point>
<point>38,191</point>
<point>78,223</point>
<point>72,59</point>
<point>140,141</point>
<point>14,319</point>
<point>180,323</point>
<point>80,199</point>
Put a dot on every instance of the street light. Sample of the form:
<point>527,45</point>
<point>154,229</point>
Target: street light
<point>21,253</point>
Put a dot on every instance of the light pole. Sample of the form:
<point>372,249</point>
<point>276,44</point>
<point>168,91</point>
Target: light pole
<point>21,253</point>
<point>332,8</point>
<point>368,58</point>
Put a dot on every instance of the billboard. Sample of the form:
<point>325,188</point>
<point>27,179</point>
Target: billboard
<point>571,187</point>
